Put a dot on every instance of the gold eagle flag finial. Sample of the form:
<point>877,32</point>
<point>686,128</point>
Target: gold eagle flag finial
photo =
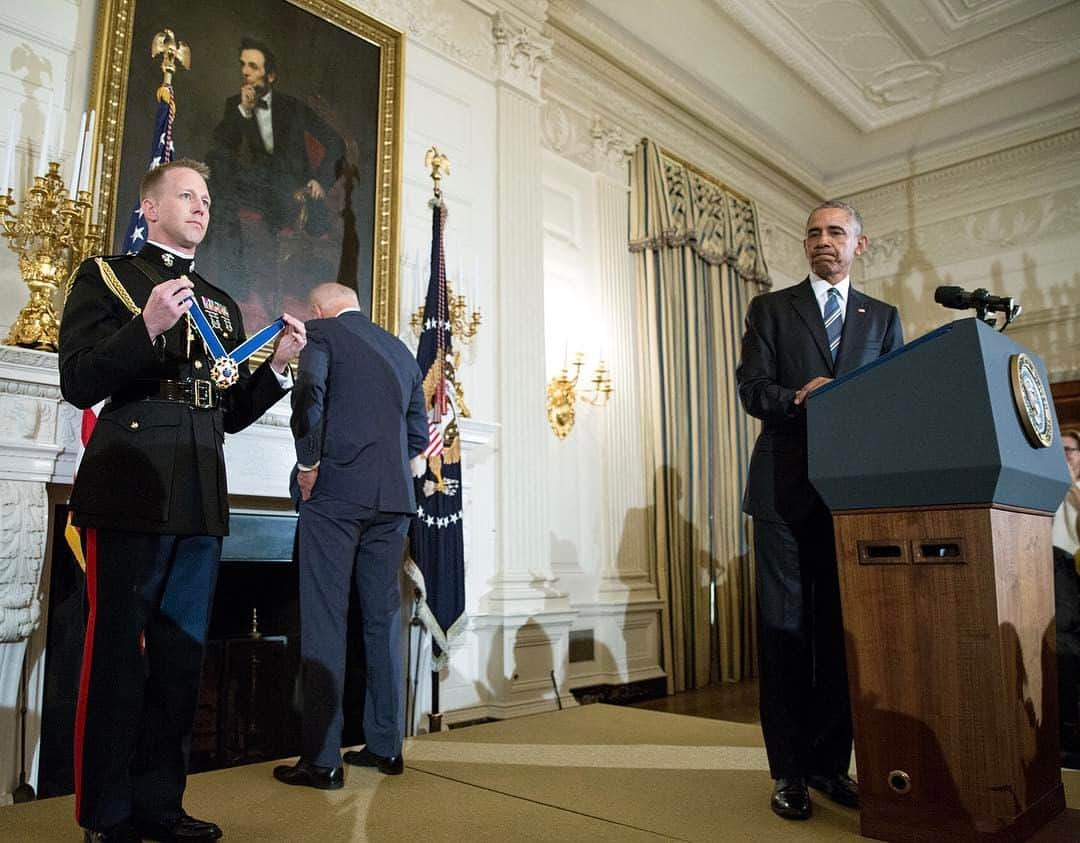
<point>173,53</point>
<point>439,165</point>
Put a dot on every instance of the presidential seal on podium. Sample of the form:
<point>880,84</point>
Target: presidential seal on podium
<point>1032,404</point>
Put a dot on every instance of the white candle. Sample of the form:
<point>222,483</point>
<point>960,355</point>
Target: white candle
<point>43,164</point>
<point>58,147</point>
<point>87,145</point>
<point>76,164</point>
<point>9,159</point>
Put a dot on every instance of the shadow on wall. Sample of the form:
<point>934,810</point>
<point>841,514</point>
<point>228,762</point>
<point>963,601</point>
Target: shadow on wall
<point>524,670</point>
<point>911,286</point>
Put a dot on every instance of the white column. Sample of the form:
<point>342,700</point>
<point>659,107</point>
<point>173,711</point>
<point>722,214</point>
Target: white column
<point>523,581</point>
<point>626,562</point>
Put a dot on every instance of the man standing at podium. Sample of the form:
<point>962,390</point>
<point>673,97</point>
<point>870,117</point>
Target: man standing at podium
<point>797,340</point>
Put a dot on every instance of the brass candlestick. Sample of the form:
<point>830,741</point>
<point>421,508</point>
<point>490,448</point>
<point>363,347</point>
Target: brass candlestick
<point>51,235</point>
<point>463,327</point>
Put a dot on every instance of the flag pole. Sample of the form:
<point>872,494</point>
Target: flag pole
<point>436,536</point>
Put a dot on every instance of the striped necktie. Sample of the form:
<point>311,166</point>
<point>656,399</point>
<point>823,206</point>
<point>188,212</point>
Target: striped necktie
<point>834,322</point>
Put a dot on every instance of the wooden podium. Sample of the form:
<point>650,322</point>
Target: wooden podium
<point>942,497</point>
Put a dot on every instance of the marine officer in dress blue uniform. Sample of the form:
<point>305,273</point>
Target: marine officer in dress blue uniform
<point>151,498</point>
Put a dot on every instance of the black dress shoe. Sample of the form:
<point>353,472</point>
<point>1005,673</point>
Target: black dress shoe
<point>311,775</point>
<point>180,829</point>
<point>391,765</point>
<point>791,799</point>
<point>120,833</point>
<point>839,788</point>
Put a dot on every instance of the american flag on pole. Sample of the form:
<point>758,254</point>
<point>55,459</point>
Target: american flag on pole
<point>436,538</point>
<point>161,152</point>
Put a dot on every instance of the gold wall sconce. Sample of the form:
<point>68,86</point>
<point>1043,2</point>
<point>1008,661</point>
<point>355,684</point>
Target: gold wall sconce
<point>562,394</point>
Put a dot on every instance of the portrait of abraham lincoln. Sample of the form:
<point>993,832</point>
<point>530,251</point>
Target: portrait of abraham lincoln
<point>283,105</point>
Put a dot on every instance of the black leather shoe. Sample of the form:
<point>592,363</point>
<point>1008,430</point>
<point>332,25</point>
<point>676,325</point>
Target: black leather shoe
<point>179,829</point>
<point>840,788</point>
<point>791,799</point>
<point>120,833</point>
<point>311,775</point>
<point>391,765</point>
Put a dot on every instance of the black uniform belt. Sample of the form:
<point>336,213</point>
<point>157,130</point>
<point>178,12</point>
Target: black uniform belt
<point>194,393</point>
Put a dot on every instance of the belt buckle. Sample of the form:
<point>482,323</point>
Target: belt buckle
<point>203,395</point>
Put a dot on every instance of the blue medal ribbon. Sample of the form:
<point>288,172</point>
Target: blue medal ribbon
<point>225,370</point>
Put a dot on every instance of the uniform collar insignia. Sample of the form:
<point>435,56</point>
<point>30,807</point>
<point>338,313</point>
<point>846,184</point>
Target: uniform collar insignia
<point>167,259</point>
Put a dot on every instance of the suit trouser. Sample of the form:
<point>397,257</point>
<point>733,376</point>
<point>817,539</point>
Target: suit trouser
<point>805,708</point>
<point>149,602</point>
<point>342,542</point>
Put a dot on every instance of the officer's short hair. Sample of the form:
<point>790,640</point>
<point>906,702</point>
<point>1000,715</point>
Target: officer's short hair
<point>152,180</point>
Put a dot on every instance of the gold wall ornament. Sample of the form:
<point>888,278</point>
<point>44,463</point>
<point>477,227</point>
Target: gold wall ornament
<point>439,165</point>
<point>51,235</point>
<point>562,394</point>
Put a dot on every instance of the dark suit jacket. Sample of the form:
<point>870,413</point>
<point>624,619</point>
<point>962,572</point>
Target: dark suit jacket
<point>151,466</point>
<point>783,348</point>
<point>305,148</point>
<point>358,411</point>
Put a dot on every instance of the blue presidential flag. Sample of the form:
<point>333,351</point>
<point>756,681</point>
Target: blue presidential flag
<point>161,152</point>
<point>436,537</point>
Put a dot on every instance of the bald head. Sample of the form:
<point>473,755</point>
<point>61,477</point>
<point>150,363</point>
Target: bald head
<point>331,298</point>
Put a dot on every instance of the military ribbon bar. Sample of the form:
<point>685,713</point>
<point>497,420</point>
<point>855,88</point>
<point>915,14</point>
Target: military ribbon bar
<point>226,368</point>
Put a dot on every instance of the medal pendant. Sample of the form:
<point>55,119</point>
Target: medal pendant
<point>225,372</point>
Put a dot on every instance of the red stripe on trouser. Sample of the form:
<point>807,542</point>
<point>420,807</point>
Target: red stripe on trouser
<point>90,535</point>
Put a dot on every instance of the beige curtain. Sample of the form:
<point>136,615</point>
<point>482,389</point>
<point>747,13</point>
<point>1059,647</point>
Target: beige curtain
<point>699,262</point>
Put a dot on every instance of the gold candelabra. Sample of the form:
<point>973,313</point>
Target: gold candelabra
<point>51,234</point>
<point>463,327</point>
<point>562,394</point>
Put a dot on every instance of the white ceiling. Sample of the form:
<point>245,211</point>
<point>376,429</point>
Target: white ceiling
<point>848,94</point>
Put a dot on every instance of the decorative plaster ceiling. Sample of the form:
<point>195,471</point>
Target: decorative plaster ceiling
<point>853,92</point>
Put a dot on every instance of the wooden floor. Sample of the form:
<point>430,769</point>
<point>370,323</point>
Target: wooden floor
<point>736,702</point>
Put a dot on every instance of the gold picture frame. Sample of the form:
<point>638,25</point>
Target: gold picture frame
<point>319,40</point>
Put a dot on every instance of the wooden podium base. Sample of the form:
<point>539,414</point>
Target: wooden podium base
<point>949,627</point>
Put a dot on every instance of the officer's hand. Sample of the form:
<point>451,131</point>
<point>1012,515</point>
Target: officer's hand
<point>168,301</point>
<point>315,190</point>
<point>289,344</point>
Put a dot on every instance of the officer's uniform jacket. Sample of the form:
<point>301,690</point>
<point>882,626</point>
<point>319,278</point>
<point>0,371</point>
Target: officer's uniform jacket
<point>153,465</point>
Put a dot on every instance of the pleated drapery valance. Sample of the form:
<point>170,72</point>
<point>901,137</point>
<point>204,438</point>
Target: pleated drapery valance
<point>679,206</point>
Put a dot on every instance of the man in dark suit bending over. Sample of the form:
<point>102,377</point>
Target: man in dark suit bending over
<point>361,429</point>
<point>797,340</point>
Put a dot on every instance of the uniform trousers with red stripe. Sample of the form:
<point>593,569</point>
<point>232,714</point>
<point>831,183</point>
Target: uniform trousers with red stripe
<point>149,602</point>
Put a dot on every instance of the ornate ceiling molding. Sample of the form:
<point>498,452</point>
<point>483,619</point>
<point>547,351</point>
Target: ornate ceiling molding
<point>458,35</point>
<point>646,81</point>
<point>1024,170</point>
<point>520,54</point>
<point>586,83</point>
<point>882,65</point>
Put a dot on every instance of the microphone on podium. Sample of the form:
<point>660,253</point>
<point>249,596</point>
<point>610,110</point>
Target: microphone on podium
<point>981,300</point>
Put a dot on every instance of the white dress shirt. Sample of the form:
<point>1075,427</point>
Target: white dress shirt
<point>821,293</point>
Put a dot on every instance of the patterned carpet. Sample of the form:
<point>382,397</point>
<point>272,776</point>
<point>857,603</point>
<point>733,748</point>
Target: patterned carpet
<point>592,773</point>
